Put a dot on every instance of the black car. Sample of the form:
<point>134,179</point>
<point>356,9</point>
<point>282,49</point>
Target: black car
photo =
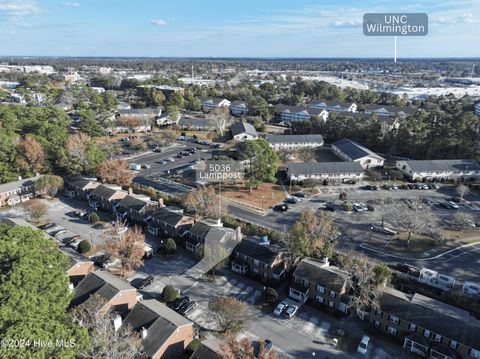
<point>299,195</point>
<point>291,200</point>
<point>330,207</point>
<point>145,282</point>
<point>256,346</point>
<point>180,302</point>
<point>100,260</point>
<point>280,208</point>
<point>187,308</point>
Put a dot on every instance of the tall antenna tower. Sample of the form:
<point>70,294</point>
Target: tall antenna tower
<point>193,77</point>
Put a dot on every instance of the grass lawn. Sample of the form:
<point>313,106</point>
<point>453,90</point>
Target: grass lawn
<point>466,234</point>
<point>418,243</point>
<point>267,194</point>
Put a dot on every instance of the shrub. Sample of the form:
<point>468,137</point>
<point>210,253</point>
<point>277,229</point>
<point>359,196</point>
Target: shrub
<point>169,293</point>
<point>170,246</point>
<point>342,196</point>
<point>194,344</point>
<point>348,206</point>
<point>84,246</point>
<point>270,295</point>
<point>94,218</point>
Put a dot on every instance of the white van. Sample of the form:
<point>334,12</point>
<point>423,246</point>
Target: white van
<point>135,166</point>
<point>363,346</point>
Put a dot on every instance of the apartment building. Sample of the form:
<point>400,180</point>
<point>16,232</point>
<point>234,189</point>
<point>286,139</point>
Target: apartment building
<point>334,106</point>
<point>19,191</point>
<point>321,284</point>
<point>79,187</point>
<point>134,207</point>
<point>328,172</point>
<point>212,103</point>
<point>169,222</point>
<point>299,113</point>
<point>259,259</point>
<point>427,327</point>
<point>349,150</point>
<point>477,109</point>
<point>440,170</point>
<point>389,111</point>
<point>106,196</point>
<point>239,108</point>
<point>294,142</point>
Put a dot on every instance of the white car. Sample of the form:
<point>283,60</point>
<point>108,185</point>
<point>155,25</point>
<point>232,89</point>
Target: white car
<point>291,311</point>
<point>280,308</point>
<point>363,346</point>
<point>453,205</point>
<point>357,207</point>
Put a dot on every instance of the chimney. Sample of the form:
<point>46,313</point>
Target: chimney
<point>130,191</point>
<point>144,332</point>
<point>325,262</point>
<point>160,203</point>
<point>238,234</point>
<point>117,322</point>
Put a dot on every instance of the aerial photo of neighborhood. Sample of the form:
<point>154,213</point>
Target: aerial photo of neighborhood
<point>238,180</point>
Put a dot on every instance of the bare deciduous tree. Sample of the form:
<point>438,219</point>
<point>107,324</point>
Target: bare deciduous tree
<point>105,341</point>
<point>219,119</point>
<point>243,349</point>
<point>35,209</point>
<point>229,314</point>
<point>204,202</point>
<point>128,246</point>
<point>117,172</point>
<point>462,190</point>
<point>462,220</point>
<point>130,122</point>
<point>412,218</point>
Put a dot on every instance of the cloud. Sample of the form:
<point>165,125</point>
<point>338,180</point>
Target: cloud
<point>466,18</point>
<point>19,8</point>
<point>348,23</point>
<point>71,4</point>
<point>158,22</point>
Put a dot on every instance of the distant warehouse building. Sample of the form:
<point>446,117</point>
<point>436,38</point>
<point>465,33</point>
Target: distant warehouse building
<point>440,170</point>
<point>352,151</point>
<point>328,172</point>
<point>292,142</point>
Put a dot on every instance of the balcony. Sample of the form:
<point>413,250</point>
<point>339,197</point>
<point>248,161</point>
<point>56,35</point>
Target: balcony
<point>239,267</point>
<point>298,292</point>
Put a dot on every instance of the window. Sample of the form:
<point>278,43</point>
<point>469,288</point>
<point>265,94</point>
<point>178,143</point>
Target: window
<point>331,304</point>
<point>376,323</point>
<point>256,262</point>
<point>319,299</point>
<point>332,294</point>
<point>393,319</point>
<point>426,333</point>
<point>392,330</point>
<point>438,338</point>
<point>320,289</point>
<point>412,327</point>
<point>378,313</point>
<point>453,344</point>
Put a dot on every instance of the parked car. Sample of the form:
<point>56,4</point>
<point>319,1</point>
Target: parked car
<point>267,346</point>
<point>330,207</point>
<point>145,282</point>
<point>170,159</point>
<point>453,205</point>
<point>180,302</point>
<point>387,187</point>
<point>363,346</point>
<point>135,166</point>
<point>357,207</point>
<point>74,244</point>
<point>162,162</point>
<point>49,225</point>
<point>280,308</point>
<point>445,205</point>
<point>292,200</point>
<point>280,207</point>
<point>187,308</point>
<point>299,194</point>
<point>146,166</point>
<point>370,208</point>
<point>291,311</point>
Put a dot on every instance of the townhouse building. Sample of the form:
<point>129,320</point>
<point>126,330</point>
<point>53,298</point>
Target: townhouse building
<point>197,124</point>
<point>239,108</point>
<point>440,170</point>
<point>327,172</point>
<point>321,284</point>
<point>293,142</point>
<point>79,187</point>
<point>213,103</point>
<point>19,191</point>
<point>390,111</point>
<point>349,150</point>
<point>106,196</point>
<point>168,222</point>
<point>287,114</point>
<point>243,131</point>
<point>79,266</point>
<point>134,208</point>
<point>165,334</point>
<point>477,108</point>
<point>334,106</point>
<point>259,259</point>
<point>427,327</point>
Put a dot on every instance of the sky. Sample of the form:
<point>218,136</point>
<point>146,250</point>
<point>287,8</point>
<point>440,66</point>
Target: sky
<point>240,28</point>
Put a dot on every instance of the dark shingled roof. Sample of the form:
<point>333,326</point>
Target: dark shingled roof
<point>133,203</point>
<point>264,253</point>
<point>103,191</point>
<point>208,349</point>
<point>79,182</point>
<point>353,149</point>
<point>392,109</point>
<point>332,104</point>
<point>237,102</point>
<point>139,111</point>
<point>200,229</point>
<point>438,317</point>
<point>296,109</point>
<point>99,282</point>
<point>195,122</point>
<point>160,321</point>
<point>295,139</point>
<point>166,216</point>
<point>243,127</point>
<point>443,165</point>
<point>327,276</point>
<point>314,168</point>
